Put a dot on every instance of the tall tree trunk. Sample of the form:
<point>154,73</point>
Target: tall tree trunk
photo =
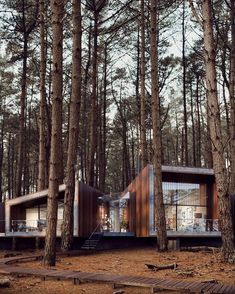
<point>21,141</point>
<point>219,166</point>
<point>232,97</point>
<point>103,128</point>
<point>74,108</point>
<point>193,125</point>
<point>199,140</point>
<point>160,220</point>
<point>57,8</point>
<point>1,157</point>
<point>143,143</point>
<point>185,155</point>
<point>83,133</point>
<point>26,177</point>
<point>9,163</point>
<point>93,122</point>
<point>42,112</point>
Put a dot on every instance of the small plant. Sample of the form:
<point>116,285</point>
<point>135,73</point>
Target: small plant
<point>124,224</point>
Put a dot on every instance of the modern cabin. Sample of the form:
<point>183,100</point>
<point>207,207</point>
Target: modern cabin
<point>190,201</point>
<point>26,215</point>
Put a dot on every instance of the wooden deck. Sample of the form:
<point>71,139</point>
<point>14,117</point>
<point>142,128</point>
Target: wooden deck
<point>7,266</point>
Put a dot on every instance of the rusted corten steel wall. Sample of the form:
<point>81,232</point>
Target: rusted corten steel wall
<point>18,213</point>
<point>2,218</point>
<point>132,213</point>
<point>139,196</point>
<point>88,209</point>
<point>139,204</point>
<point>215,207</point>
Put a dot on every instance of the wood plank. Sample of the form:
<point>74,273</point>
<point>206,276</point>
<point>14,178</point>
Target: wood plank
<point>230,289</point>
<point>200,286</point>
<point>215,288</point>
<point>189,285</point>
<point>223,289</point>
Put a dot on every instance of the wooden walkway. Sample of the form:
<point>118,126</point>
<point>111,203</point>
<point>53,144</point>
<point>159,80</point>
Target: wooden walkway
<point>7,266</point>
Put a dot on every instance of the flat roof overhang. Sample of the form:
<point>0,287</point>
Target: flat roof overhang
<point>187,174</point>
<point>36,198</point>
<point>188,170</point>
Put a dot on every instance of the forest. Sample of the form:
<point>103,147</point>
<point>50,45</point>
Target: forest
<point>97,89</point>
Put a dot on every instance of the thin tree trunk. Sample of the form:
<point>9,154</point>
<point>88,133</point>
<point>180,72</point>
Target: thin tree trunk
<point>193,126</point>
<point>232,98</point>
<point>184,91</point>
<point>9,163</point>
<point>83,133</point>
<point>57,8</point>
<point>42,112</point>
<point>93,122</point>
<point>199,146</point>
<point>220,170</point>
<point>143,143</point>
<point>1,157</point>
<point>21,141</point>
<point>160,220</point>
<point>26,178</point>
<point>67,228</point>
<point>103,126</point>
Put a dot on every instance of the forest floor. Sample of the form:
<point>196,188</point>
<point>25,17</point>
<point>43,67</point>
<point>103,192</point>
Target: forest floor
<point>192,266</point>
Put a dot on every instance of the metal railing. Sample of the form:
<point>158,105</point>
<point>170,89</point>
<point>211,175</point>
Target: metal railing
<point>32,226</point>
<point>192,225</point>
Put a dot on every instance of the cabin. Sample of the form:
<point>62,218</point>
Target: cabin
<point>190,200</point>
<point>26,215</point>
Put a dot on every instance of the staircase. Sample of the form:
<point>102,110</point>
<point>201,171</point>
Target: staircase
<point>92,242</point>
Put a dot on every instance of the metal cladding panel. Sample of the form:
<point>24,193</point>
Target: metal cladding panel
<point>215,205</point>
<point>88,209</point>
<point>139,190</point>
<point>132,212</point>
<point>18,212</point>
<point>2,218</point>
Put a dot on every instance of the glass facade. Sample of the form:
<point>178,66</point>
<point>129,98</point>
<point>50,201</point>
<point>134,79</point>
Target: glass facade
<point>185,206</point>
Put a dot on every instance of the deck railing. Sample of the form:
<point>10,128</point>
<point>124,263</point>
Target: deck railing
<point>32,226</point>
<point>192,225</point>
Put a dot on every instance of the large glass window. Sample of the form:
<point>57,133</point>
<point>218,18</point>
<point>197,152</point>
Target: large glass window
<point>185,206</point>
<point>184,193</point>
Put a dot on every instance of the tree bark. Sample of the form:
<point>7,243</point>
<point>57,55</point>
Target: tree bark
<point>42,111</point>
<point>185,154</point>
<point>21,141</point>
<point>57,8</point>
<point>221,175</point>
<point>74,109</point>
<point>93,121</point>
<point>1,156</point>
<point>143,142</point>
<point>103,127</point>
<point>160,221</point>
<point>199,146</point>
<point>232,98</point>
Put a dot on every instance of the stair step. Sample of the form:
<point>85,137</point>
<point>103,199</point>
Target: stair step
<point>92,242</point>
